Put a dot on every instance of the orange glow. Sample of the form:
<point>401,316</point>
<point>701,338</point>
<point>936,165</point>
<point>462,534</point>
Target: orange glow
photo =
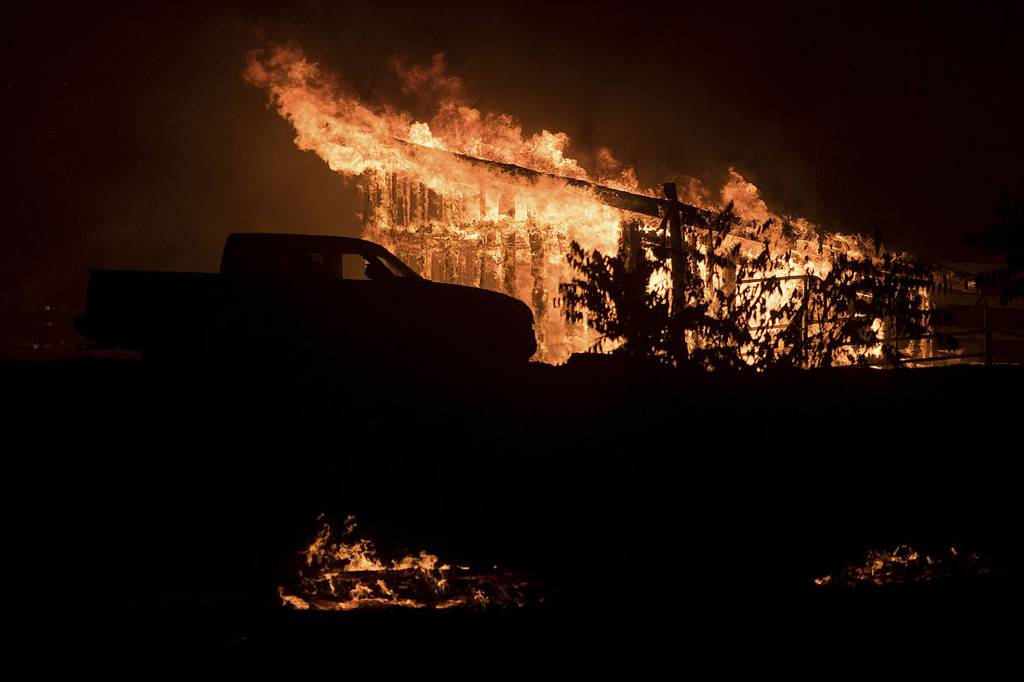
<point>905,565</point>
<point>341,571</point>
<point>469,223</point>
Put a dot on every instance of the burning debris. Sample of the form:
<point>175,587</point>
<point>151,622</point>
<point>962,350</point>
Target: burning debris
<point>904,565</point>
<point>343,572</point>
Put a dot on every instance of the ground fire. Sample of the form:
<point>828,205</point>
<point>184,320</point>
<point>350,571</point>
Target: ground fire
<point>467,197</point>
<point>342,571</point>
<point>905,565</point>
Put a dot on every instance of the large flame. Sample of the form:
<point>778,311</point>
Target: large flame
<point>469,223</point>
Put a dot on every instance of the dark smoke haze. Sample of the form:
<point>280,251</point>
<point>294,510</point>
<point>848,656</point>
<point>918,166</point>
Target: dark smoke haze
<point>135,141</point>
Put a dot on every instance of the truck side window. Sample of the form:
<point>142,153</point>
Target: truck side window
<point>311,264</point>
<point>353,266</point>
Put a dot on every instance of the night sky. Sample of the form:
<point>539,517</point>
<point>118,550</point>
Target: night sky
<point>136,142</point>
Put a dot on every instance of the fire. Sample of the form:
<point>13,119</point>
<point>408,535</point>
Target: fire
<point>905,565</point>
<point>427,196</point>
<point>341,571</point>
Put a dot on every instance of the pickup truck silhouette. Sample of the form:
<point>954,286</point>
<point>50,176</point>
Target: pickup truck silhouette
<point>304,297</point>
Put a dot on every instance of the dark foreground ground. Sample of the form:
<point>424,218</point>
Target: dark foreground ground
<point>670,518</point>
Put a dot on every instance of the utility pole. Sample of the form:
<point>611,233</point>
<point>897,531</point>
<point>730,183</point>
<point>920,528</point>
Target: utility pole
<point>679,266</point>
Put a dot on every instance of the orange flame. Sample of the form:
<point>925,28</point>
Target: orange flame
<point>343,572</point>
<point>470,224</point>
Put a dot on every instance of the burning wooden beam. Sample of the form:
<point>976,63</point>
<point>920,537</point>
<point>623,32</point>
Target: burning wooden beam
<point>616,198</point>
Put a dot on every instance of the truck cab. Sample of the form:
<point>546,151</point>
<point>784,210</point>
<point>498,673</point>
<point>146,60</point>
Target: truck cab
<point>306,298</point>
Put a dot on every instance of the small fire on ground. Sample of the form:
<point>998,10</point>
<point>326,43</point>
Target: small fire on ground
<point>905,565</point>
<point>341,571</point>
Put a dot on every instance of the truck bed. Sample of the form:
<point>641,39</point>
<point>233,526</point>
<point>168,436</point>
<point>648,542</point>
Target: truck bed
<point>132,309</point>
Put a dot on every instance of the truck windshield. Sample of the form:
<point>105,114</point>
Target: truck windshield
<point>392,263</point>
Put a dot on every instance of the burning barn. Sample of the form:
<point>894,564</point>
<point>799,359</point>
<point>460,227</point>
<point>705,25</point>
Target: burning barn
<point>468,198</point>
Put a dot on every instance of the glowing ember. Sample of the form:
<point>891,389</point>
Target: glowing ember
<point>342,572</point>
<point>905,565</point>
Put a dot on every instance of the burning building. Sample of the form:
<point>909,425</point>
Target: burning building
<point>468,198</point>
